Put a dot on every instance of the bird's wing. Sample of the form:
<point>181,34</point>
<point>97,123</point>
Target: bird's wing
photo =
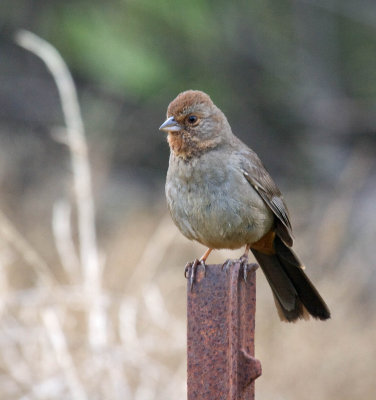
<point>256,174</point>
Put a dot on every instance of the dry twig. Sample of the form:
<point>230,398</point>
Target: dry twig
<point>76,142</point>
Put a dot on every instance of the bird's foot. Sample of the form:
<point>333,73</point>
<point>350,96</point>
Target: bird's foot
<point>247,268</point>
<point>191,270</point>
<point>227,265</point>
<point>244,266</point>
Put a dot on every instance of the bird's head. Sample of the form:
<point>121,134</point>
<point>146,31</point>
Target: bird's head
<point>194,124</point>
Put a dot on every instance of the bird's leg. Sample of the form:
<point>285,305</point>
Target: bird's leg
<point>244,258</point>
<point>191,268</point>
<point>203,259</point>
<point>243,264</point>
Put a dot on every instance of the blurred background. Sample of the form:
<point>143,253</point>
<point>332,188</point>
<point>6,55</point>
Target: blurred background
<point>297,81</point>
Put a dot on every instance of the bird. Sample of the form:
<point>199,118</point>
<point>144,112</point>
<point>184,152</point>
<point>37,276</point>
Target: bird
<point>219,194</point>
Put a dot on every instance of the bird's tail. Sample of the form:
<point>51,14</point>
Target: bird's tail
<point>294,294</point>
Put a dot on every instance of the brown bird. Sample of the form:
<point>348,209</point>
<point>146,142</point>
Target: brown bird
<point>219,194</point>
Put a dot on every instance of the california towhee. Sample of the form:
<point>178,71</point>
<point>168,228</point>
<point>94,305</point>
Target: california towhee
<point>219,193</point>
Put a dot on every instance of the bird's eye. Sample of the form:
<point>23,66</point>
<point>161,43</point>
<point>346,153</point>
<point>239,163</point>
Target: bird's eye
<point>192,119</point>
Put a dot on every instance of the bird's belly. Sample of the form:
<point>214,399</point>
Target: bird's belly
<point>217,216</point>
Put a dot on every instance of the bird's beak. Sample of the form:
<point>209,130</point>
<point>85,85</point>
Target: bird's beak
<point>170,125</point>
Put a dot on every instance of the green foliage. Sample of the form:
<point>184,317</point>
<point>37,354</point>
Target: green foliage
<point>105,46</point>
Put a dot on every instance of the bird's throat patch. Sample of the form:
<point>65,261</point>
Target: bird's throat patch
<point>178,145</point>
<point>186,146</point>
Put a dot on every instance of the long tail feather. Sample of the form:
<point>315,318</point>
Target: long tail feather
<point>294,294</point>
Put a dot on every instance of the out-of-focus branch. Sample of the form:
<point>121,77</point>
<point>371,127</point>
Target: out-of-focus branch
<point>154,252</point>
<point>61,226</point>
<point>63,356</point>
<point>77,145</point>
<point>78,148</point>
<point>26,250</point>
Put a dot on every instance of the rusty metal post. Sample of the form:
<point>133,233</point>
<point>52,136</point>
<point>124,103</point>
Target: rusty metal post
<point>221,323</point>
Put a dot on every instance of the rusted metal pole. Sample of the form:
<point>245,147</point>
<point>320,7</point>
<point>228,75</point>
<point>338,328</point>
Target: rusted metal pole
<point>221,324</point>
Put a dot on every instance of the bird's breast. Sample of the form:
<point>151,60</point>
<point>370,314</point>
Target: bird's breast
<point>215,206</point>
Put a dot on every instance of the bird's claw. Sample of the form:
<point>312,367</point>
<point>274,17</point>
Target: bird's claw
<point>191,270</point>
<point>226,265</point>
<point>247,268</point>
<point>244,266</point>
